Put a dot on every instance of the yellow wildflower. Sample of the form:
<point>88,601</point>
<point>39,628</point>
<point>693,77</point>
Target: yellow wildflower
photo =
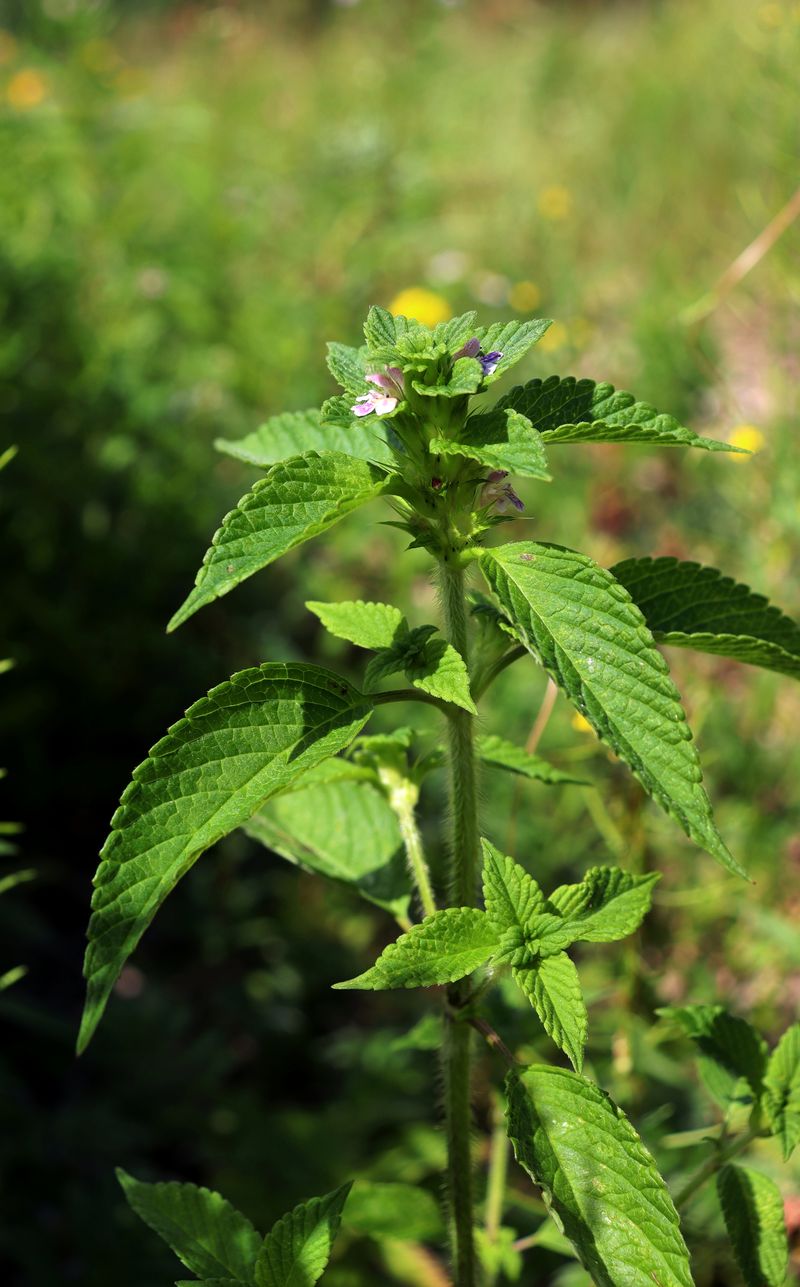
<point>555,337</point>
<point>580,724</point>
<point>771,15</point>
<point>746,436</point>
<point>26,89</point>
<point>423,305</point>
<point>524,297</point>
<point>555,202</point>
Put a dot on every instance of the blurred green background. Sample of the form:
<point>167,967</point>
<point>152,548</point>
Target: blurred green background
<point>193,199</point>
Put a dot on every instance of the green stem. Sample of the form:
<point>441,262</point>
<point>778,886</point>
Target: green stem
<point>714,1164</point>
<point>463,877</point>
<point>414,852</point>
<point>496,1183</point>
<point>489,675</point>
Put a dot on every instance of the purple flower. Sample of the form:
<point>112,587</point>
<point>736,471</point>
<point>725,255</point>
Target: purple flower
<point>496,492</point>
<point>473,349</point>
<point>385,397</point>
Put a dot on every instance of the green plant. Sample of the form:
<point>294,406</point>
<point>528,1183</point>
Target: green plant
<point>279,750</point>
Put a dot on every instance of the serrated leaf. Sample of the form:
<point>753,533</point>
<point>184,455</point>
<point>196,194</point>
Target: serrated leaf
<point>440,670</point>
<point>297,1249</point>
<point>455,333</point>
<point>499,440</point>
<point>583,628</point>
<point>234,749</point>
<point>369,625</point>
<point>731,1043</point>
<point>403,1211</point>
<point>607,905</point>
<point>597,1178</point>
<point>511,896</point>
<point>347,366</point>
<point>444,947</point>
<point>466,377</point>
<point>512,339</point>
<point>553,989</point>
<point>207,1234</point>
<point>753,1210</point>
<point>690,606</point>
<point>294,432</point>
<point>501,754</point>
<point>782,1090</point>
<point>343,830</point>
<point>382,329</point>
<point>298,499</point>
<point>570,410</point>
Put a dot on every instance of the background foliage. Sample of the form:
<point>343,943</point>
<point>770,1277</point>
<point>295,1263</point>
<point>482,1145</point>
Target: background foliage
<point>193,198</point>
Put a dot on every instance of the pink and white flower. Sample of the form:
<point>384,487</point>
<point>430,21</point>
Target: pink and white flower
<point>385,397</point>
<point>499,493</point>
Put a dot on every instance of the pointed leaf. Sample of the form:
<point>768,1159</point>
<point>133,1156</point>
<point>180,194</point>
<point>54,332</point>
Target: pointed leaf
<point>297,1249</point>
<point>369,625</point>
<point>346,831</point>
<point>554,991</point>
<point>441,671</point>
<point>347,366</point>
<point>581,624</point>
<point>206,1233</point>
<point>298,499</point>
<point>499,440</point>
<point>730,1043</point>
<point>294,432</point>
<point>446,946</point>
<point>570,410</point>
<point>597,1178</point>
<point>782,1090</point>
<point>500,754</point>
<point>234,749</point>
<point>455,333</point>
<point>466,377</point>
<point>512,339</point>
<point>512,897</point>
<point>382,329</point>
<point>753,1209</point>
<point>691,606</point>
<point>607,905</point>
<point>403,1211</point>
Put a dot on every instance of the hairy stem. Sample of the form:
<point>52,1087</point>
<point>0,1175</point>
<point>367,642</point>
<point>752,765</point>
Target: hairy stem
<point>709,1168</point>
<point>463,876</point>
<point>496,1183</point>
<point>415,854</point>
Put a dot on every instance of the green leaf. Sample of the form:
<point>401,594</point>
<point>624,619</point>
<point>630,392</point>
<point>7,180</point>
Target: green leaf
<point>570,410</point>
<point>500,754</point>
<point>297,1248</point>
<point>691,606</point>
<point>369,625</point>
<point>295,432</point>
<point>298,499</point>
<point>455,333</point>
<point>597,1178</point>
<point>440,670</point>
<point>607,905</point>
<point>444,947</point>
<point>499,440</point>
<point>498,1255</point>
<point>731,1044</point>
<point>402,1211</point>
<point>512,897</point>
<point>753,1210</point>
<point>583,628</point>
<point>343,830</point>
<point>554,991</point>
<point>512,339</point>
<point>782,1090</point>
<point>347,366</point>
<point>234,749</point>
<point>382,329</point>
<point>206,1233</point>
<point>208,1282</point>
<point>466,377</point>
